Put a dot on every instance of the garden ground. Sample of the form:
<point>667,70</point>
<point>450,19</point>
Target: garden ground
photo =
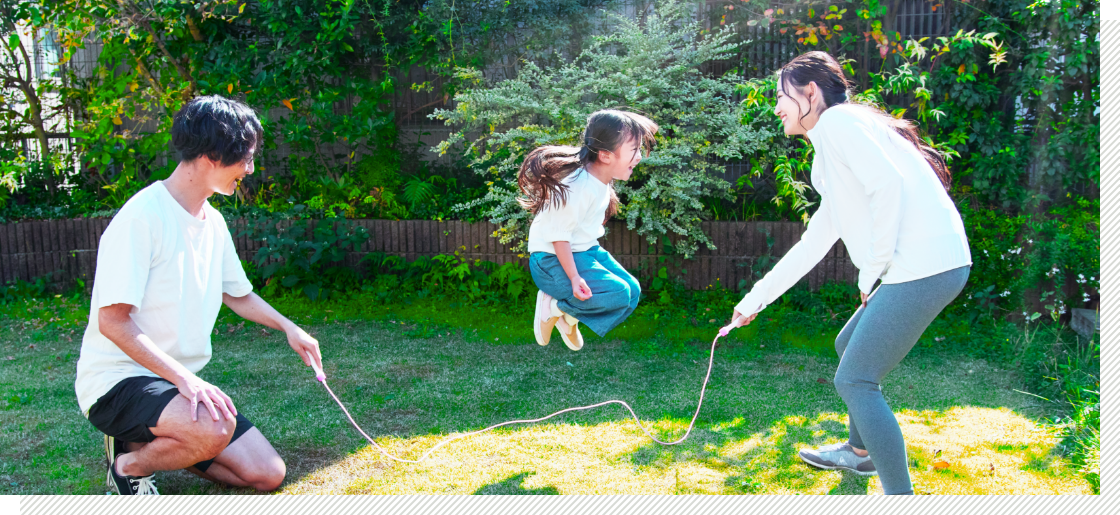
<point>409,384</point>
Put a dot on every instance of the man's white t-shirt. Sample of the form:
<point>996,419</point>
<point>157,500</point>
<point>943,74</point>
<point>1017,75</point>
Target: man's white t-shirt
<point>578,221</point>
<point>173,269</point>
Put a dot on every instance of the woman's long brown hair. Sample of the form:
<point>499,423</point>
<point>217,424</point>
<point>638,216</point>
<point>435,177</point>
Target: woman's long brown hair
<point>825,71</point>
<point>545,168</point>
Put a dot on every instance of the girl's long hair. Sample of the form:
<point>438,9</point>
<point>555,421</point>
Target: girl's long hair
<point>823,69</point>
<point>544,169</point>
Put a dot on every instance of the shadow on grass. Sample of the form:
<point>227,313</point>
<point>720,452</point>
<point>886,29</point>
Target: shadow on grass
<point>754,418</point>
<point>513,486</point>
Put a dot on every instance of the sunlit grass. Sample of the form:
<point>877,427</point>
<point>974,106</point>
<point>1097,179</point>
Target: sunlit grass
<point>615,457</point>
<point>411,384</point>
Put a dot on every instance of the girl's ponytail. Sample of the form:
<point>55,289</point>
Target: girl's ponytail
<point>541,175</point>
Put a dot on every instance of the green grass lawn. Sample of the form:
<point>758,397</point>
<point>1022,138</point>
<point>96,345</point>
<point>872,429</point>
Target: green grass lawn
<point>410,381</point>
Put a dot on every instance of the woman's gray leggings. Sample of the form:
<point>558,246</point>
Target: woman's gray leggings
<point>871,344</point>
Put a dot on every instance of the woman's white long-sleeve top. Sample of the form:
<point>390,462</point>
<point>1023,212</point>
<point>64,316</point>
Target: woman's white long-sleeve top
<point>882,198</point>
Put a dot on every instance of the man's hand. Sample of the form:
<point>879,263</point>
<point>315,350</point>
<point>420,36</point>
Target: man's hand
<point>739,320</point>
<point>196,390</point>
<point>863,298</point>
<point>580,288</point>
<point>306,346</point>
<point>252,307</point>
<point>115,322</point>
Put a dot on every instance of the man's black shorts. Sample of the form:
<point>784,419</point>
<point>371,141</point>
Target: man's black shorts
<point>132,407</point>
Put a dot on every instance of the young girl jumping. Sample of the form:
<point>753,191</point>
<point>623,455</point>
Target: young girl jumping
<point>570,193</point>
<point>884,192</point>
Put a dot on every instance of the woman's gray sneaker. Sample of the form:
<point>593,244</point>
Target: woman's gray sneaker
<point>838,456</point>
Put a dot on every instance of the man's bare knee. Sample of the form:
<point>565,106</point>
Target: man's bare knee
<point>266,475</point>
<point>211,436</point>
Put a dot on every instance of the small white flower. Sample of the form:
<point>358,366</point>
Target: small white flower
<point>1030,241</point>
<point>1092,279</point>
<point>1081,276</point>
<point>1005,293</point>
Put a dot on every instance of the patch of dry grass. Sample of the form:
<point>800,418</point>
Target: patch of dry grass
<point>763,405</point>
<point>989,451</point>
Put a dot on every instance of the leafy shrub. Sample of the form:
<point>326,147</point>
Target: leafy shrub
<point>1064,369</point>
<point>653,68</point>
<point>304,255</point>
<point>470,282</point>
<point>18,290</point>
<point>1082,432</point>
<point>1023,263</point>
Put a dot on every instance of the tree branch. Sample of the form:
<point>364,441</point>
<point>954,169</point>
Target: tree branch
<point>429,104</point>
<point>144,71</point>
<point>26,60</point>
<point>183,71</point>
<point>15,65</point>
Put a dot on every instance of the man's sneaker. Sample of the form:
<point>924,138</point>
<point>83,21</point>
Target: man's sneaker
<point>543,321</point>
<point>127,485</point>
<point>839,456</point>
<point>569,331</point>
<point>113,447</point>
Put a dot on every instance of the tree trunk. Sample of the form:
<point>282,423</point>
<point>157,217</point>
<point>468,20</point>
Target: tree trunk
<point>890,20</point>
<point>35,117</point>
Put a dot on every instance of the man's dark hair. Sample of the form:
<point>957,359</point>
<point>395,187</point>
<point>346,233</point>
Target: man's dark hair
<point>224,130</point>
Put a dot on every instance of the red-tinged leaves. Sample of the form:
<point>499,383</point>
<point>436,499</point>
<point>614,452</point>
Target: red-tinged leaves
<point>287,103</point>
<point>229,88</point>
<point>822,380</point>
<point>941,465</point>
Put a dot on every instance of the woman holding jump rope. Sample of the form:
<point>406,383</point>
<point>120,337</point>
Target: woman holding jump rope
<point>884,192</point>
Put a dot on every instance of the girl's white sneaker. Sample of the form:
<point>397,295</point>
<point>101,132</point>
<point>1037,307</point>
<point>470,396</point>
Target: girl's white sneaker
<point>569,331</point>
<point>543,321</point>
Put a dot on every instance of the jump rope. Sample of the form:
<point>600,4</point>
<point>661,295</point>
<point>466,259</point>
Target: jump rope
<point>322,378</point>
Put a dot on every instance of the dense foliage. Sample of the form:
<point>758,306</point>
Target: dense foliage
<point>1009,93</point>
<point>652,68</point>
<point>1011,99</point>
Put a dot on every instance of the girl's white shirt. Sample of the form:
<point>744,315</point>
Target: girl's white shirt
<point>578,221</point>
<point>882,198</point>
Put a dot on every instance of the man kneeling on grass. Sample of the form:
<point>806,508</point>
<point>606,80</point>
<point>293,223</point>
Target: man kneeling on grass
<point>165,265</point>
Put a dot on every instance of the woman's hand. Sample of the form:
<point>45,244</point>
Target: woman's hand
<point>863,298</point>
<point>580,288</point>
<point>739,320</point>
